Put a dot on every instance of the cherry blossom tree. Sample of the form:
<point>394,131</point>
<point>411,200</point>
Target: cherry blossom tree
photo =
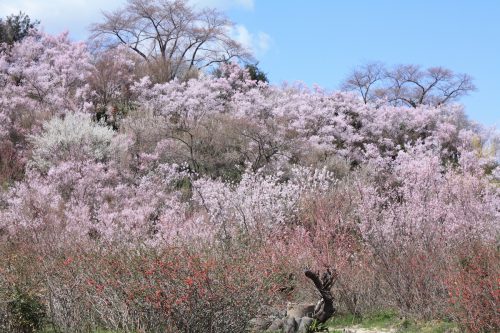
<point>172,36</point>
<point>41,76</point>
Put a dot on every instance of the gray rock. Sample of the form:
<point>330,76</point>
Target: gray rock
<point>259,324</point>
<point>305,323</point>
<point>277,325</point>
<point>299,310</point>
<point>289,325</point>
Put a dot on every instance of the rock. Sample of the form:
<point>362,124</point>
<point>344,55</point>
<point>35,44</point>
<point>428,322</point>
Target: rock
<point>299,310</point>
<point>305,323</point>
<point>289,325</point>
<point>319,306</point>
<point>277,325</point>
<point>259,324</point>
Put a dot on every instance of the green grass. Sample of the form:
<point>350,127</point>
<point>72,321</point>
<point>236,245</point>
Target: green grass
<point>435,326</point>
<point>387,320</point>
<point>383,319</point>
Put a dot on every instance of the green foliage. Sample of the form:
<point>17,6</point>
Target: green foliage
<point>16,27</point>
<point>255,73</point>
<point>389,319</point>
<point>27,312</point>
<point>317,327</point>
<point>342,320</point>
<point>380,319</point>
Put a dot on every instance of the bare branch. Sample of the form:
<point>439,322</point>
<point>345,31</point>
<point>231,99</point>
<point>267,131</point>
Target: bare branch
<point>364,79</point>
<point>173,34</point>
<point>408,85</point>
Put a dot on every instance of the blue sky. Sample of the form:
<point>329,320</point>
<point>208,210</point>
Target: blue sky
<point>321,41</point>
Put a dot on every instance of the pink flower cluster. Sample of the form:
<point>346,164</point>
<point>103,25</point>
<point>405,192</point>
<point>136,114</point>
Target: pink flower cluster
<point>220,155</point>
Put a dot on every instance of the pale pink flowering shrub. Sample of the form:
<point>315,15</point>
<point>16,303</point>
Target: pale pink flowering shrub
<point>416,220</point>
<point>429,200</point>
<point>265,125</point>
<point>43,74</point>
<point>110,80</point>
<point>259,202</point>
<point>85,201</point>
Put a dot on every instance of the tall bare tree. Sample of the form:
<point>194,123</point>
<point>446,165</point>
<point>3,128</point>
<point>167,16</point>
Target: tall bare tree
<point>408,85</point>
<point>171,35</point>
<point>365,80</point>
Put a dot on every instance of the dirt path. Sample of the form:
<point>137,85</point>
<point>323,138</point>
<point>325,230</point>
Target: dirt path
<point>357,329</point>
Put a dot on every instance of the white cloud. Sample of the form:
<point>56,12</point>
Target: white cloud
<point>76,16</point>
<point>264,41</point>
<point>258,43</point>
<point>242,35</point>
<point>60,15</point>
<point>226,4</point>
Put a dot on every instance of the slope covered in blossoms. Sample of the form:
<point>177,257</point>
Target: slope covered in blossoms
<point>106,178</point>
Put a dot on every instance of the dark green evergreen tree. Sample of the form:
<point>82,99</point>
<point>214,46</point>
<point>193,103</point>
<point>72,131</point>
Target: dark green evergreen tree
<point>16,27</point>
<point>255,73</point>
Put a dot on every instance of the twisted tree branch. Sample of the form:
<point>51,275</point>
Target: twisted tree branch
<point>326,310</point>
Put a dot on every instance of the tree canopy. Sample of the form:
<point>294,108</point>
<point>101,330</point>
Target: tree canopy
<point>16,27</point>
<point>408,85</point>
<point>171,36</point>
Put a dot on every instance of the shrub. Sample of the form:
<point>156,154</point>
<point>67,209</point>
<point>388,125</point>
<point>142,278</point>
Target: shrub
<point>26,312</point>
<point>74,138</point>
<point>173,289</point>
<point>22,304</point>
<point>474,289</point>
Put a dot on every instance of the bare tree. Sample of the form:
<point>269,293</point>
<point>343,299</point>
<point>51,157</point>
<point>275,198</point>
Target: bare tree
<point>170,35</point>
<point>408,84</point>
<point>365,79</point>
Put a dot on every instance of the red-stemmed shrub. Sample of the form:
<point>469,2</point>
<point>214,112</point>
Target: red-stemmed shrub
<point>474,289</point>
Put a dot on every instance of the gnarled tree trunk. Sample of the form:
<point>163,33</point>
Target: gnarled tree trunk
<point>325,309</point>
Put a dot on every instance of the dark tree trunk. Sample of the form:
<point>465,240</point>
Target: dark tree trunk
<point>325,310</point>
